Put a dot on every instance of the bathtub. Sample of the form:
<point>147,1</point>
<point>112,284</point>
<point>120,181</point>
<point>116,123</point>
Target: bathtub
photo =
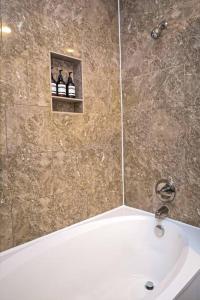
<point>109,257</point>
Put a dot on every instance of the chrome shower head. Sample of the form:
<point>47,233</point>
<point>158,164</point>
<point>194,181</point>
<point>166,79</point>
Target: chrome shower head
<point>156,32</point>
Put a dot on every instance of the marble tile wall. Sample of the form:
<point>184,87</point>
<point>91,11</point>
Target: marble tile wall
<point>57,169</point>
<point>161,98</point>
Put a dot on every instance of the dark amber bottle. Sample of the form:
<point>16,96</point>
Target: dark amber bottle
<point>53,85</point>
<point>61,86</point>
<point>71,93</point>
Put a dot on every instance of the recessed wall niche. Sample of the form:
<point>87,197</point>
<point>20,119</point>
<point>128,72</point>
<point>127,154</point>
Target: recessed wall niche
<point>68,64</point>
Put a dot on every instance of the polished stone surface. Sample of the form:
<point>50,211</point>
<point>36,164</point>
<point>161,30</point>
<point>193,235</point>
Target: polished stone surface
<point>6,234</point>
<point>161,103</point>
<point>57,169</point>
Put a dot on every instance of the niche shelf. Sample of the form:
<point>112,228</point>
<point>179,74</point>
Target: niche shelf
<point>68,64</point>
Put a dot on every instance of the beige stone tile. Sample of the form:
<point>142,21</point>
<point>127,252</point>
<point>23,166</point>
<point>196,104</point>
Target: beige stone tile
<point>192,146</point>
<point>186,205</point>
<point>154,149</point>
<point>38,77</point>
<point>191,85</point>
<point>101,57</point>
<point>30,173</point>
<point>70,207</point>
<point>3,148</point>
<point>140,53</point>
<point>82,177</point>
<point>15,14</point>
<point>161,89</point>
<point>103,200</point>
<point>28,129</point>
<point>160,97</point>
<point>32,217</point>
<point>14,80</point>
<point>67,34</point>
<point>91,169</point>
<point>6,237</point>
<point>85,131</point>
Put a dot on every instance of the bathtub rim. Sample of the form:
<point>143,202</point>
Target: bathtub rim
<point>122,210</point>
<point>181,280</point>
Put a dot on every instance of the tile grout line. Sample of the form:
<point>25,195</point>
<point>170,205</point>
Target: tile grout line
<point>121,102</point>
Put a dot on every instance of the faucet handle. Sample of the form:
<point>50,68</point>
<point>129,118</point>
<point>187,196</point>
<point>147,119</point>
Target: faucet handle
<point>165,189</point>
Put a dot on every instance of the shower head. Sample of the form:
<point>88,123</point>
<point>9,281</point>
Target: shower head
<point>156,32</point>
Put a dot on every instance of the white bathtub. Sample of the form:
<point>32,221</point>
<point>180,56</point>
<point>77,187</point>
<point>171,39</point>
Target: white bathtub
<point>109,257</point>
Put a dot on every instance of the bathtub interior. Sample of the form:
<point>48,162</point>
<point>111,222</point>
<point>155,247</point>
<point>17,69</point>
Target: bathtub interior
<point>192,290</point>
<point>108,259</point>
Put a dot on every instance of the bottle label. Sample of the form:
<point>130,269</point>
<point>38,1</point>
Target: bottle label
<point>71,90</point>
<point>61,89</point>
<point>53,87</point>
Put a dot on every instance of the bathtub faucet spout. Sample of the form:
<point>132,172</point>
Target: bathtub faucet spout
<point>162,212</point>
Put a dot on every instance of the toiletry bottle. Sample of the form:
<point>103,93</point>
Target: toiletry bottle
<point>70,87</point>
<point>53,85</point>
<point>61,86</point>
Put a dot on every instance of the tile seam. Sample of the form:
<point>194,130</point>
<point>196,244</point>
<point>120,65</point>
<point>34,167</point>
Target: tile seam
<point>121,101</point>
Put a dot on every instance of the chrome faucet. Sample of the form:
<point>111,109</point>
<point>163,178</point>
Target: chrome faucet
<point>162,212</point>
<point>168,188</point>
<point>165,190</point>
